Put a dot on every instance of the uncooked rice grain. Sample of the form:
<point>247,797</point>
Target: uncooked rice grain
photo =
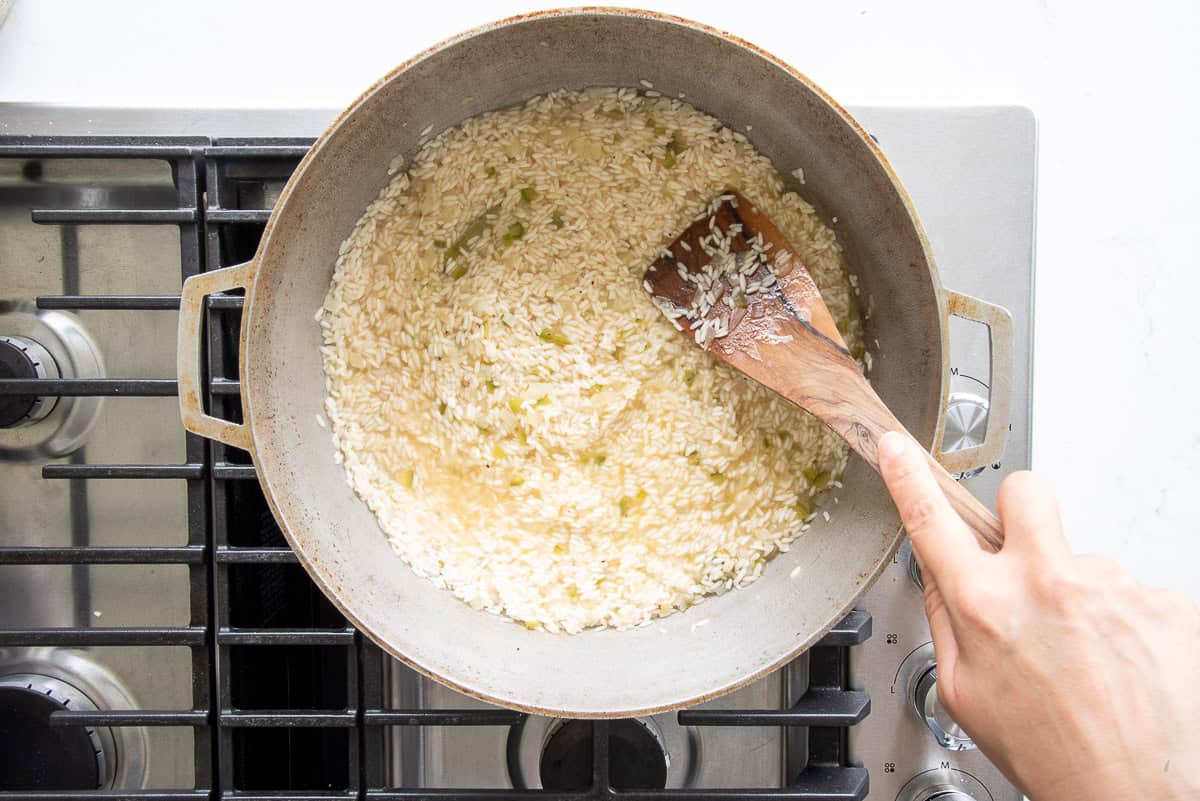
<point>528,429</point>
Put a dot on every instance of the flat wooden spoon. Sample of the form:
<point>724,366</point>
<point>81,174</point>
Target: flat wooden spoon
<point>733,283</point>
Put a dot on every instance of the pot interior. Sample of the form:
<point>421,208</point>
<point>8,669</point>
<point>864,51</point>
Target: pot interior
<point>720,643</point>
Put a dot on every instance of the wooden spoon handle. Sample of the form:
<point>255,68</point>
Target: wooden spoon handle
<point>865,418</point>
<point>978,517</point>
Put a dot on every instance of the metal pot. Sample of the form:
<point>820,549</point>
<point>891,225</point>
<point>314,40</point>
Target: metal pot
<point>597,673</point>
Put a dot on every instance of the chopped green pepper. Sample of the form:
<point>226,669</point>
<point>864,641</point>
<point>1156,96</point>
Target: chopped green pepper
<point>659,130</point>
<point>629,502</point>
<point>441,407</point>
<point>819,479</point>
<point>689,376</point>
<point>554,337</point>
<point>669,160</point>
<point>491,385</point>
<point>439,243</point>
<point>490,172</point>
<point>739,300</point>
<point>514,232</point>
<point>528,194</point>
<point>514,404</point>
<point>615,114</point>
<point>465,242</point>
<point>678,143</point>
<point>556,220</point>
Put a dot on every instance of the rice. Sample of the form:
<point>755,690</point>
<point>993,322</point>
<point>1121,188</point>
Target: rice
<point>529,430</point>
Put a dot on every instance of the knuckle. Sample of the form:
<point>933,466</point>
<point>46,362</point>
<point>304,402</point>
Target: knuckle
<point>1061,587</point>
<point>1175,603</point>
<point>951,699</point>
<point>919,515</point>
<point>1073,590</point>
<point>982,608</point>
<point>1095,563</point>
<point>935,602</point>
<point>1096,569</point>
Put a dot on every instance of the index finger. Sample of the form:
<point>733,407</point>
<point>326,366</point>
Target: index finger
<point>941,540</point>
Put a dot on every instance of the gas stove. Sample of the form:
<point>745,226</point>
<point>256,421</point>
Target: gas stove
<point>157,635</point>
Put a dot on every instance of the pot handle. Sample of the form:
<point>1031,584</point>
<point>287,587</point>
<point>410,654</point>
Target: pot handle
<point>190,351</point>
<point>1000,338</point>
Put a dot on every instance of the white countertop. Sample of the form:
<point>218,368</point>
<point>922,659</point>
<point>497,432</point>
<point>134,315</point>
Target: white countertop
<point>1118,279</point>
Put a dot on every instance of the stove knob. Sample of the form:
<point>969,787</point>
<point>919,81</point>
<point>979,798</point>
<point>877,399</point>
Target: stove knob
<point>907,558</point>
<point>946,731</point>
<point>966,424</point>
<point>21,357</point>
<point>947,784</point>
<point>939,793</point>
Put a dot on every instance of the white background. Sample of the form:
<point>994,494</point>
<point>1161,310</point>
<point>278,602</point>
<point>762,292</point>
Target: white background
<point>1116,417</point>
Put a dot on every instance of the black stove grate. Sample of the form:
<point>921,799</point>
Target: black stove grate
<point>288,696</point>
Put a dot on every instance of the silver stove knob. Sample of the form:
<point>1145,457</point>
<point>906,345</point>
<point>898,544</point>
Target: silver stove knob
<point>944,785</point>
<point>941,794</point>
<point>966,425</point>
<point>946,731</point>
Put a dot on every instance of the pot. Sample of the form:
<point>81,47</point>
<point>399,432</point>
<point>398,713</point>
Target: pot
<point>606,673</point>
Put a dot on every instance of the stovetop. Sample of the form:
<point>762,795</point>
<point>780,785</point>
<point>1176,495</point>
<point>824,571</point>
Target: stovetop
<point>149,604</point>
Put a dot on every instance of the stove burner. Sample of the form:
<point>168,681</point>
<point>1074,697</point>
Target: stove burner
<point>35,755</point>
<point>21,357</point>
<point>38,755</point>
<point>636,755</point>
<point>36,343</point>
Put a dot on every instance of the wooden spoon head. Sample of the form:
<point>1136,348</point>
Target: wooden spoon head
<point>730,273</point>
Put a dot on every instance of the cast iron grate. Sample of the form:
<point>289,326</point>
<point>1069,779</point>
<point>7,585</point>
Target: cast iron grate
<point>255,616</point>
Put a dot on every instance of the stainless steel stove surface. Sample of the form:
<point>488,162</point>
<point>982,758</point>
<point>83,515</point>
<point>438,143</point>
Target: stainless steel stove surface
<point>156,632</point>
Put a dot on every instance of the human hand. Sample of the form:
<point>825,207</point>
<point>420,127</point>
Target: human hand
<point>1077,681</point>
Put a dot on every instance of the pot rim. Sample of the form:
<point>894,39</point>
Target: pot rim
<point>865,138</point>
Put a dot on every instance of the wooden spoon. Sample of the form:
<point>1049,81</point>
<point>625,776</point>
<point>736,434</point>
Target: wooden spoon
<point>733,283</point>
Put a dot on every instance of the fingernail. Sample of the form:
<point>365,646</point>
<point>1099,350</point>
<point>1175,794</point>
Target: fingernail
<point>892,445</point>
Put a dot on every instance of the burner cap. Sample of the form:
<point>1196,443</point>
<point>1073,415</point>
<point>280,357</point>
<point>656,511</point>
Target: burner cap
<point>37,756</point>
<point>636,757</point>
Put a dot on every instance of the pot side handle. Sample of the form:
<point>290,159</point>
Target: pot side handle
<point>1000,339</point>
<point>190,352</point>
